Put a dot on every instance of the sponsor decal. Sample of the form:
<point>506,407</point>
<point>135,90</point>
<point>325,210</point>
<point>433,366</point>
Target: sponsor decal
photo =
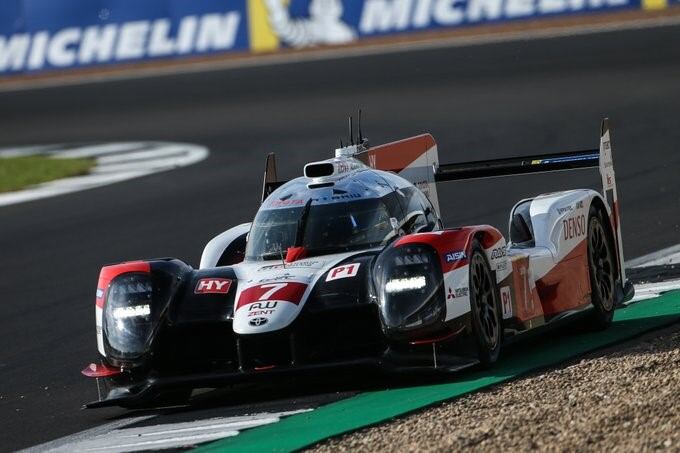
<point>278,278</point>
<point>570,208</point>
<point>33,40</point>
<point>262,308</point>
<point>100,293</point>
<point>213,286</point>
<point>506,302</point>
<point>290,292</point>
<point>458,292</point>
<point>257,322</point>
<point>338,196</point>
<point>293,265</point>
<point>84,42</point>
<point>344,271</point>
<point>574,227</point>
<point>382,16</point>
<point>457,255</point>
<point>282,23</point>
<point>286,203</point>
<point>499,252</point>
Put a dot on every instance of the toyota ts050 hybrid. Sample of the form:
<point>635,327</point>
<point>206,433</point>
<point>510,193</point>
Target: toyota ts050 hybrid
<point>349,266</point>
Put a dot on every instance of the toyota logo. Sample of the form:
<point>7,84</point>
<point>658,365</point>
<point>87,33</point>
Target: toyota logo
<point>257,322</point>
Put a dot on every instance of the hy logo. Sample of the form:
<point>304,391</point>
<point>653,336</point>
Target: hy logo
<point>274,25</point>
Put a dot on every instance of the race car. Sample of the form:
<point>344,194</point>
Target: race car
<point>350,266</point>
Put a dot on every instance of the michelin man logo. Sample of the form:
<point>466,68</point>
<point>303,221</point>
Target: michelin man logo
<point>324,25</point>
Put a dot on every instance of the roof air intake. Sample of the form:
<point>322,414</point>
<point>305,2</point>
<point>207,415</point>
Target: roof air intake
<point>319,170</point>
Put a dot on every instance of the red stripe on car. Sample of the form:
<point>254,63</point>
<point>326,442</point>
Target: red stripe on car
<point>108,273</point>
<point>291,292</point>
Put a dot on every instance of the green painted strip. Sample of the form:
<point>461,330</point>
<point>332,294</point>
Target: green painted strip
<point>370,408</point>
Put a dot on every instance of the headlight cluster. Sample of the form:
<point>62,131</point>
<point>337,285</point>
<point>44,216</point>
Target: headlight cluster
<point>128,315</point>
<point>410,287</point>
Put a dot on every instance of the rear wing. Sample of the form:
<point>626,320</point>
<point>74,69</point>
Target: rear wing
<point>593,158</point>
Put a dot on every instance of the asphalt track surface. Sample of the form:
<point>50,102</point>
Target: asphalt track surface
<point>479,102</point>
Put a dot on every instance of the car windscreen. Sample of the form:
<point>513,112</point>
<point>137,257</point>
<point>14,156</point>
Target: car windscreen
<point>328,228</point>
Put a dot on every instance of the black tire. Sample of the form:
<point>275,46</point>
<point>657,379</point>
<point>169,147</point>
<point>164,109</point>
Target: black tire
<point>602,269</point>
<point>487,323</point>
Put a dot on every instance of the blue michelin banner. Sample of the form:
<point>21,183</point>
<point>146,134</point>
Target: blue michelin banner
<point>39,35</point>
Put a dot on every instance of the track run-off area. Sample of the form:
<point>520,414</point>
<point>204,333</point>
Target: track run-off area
<point>486,101</point>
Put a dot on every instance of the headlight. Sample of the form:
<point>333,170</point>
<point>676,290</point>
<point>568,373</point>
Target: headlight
<point>128,316</point>
<point>399,285</point>
<point>410,287</point>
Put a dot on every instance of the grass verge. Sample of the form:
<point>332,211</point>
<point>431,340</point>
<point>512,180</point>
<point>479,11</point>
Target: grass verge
<point>17,173</point>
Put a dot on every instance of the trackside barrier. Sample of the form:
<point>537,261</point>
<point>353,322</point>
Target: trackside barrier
<point>40,35</point>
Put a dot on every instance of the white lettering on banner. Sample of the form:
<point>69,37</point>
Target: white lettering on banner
<point>484,10</point>
<point>61,51</point>
<point>119,42</point>
<point>386,15</point>
<point>187,34</point>
<point>160,43</point>
<point>13,52</point>
<point>217,32</point>
<point>421,16</point>
<point>550,6</point>
<point>519,8</point>
<point>381,16</point>
<point>131,40</point>
<point>97,44</point>
<point>36,59</point>
<point>446,13</point>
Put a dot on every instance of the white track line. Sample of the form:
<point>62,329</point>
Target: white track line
<point>651,290</point>
<point>123,437</point>
<point>668,255</point>
<point>98,150</point>
<point>365,49</point>
<point>662,257</point>
<point>115,162</point>
<point>147,154</point>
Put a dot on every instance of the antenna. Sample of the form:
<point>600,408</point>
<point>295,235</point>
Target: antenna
<point>361,136</point>
<point>351,131</point>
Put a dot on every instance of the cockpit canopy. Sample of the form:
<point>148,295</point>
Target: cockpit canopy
<point>363,210</point>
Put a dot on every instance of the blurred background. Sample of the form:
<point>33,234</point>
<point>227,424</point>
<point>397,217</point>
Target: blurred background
<point>242,78</point>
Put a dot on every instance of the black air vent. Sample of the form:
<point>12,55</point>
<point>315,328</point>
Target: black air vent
<point>320,185</point>
<point>318,170</point>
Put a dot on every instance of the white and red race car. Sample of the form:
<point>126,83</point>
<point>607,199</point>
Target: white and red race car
<point>350,266</point>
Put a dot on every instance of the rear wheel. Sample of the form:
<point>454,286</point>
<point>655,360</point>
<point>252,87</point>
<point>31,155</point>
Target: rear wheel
<point>485,307</point>
<point>602,270</point>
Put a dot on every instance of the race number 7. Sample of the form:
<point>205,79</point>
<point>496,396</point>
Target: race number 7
<point>274,287</point>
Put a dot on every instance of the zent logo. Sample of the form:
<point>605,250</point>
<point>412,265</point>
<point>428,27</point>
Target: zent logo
<point>213,286</point>
<point>344,271</point>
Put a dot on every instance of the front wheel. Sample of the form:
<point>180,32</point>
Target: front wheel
<point>602,270</point>
<point>485,307</point>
